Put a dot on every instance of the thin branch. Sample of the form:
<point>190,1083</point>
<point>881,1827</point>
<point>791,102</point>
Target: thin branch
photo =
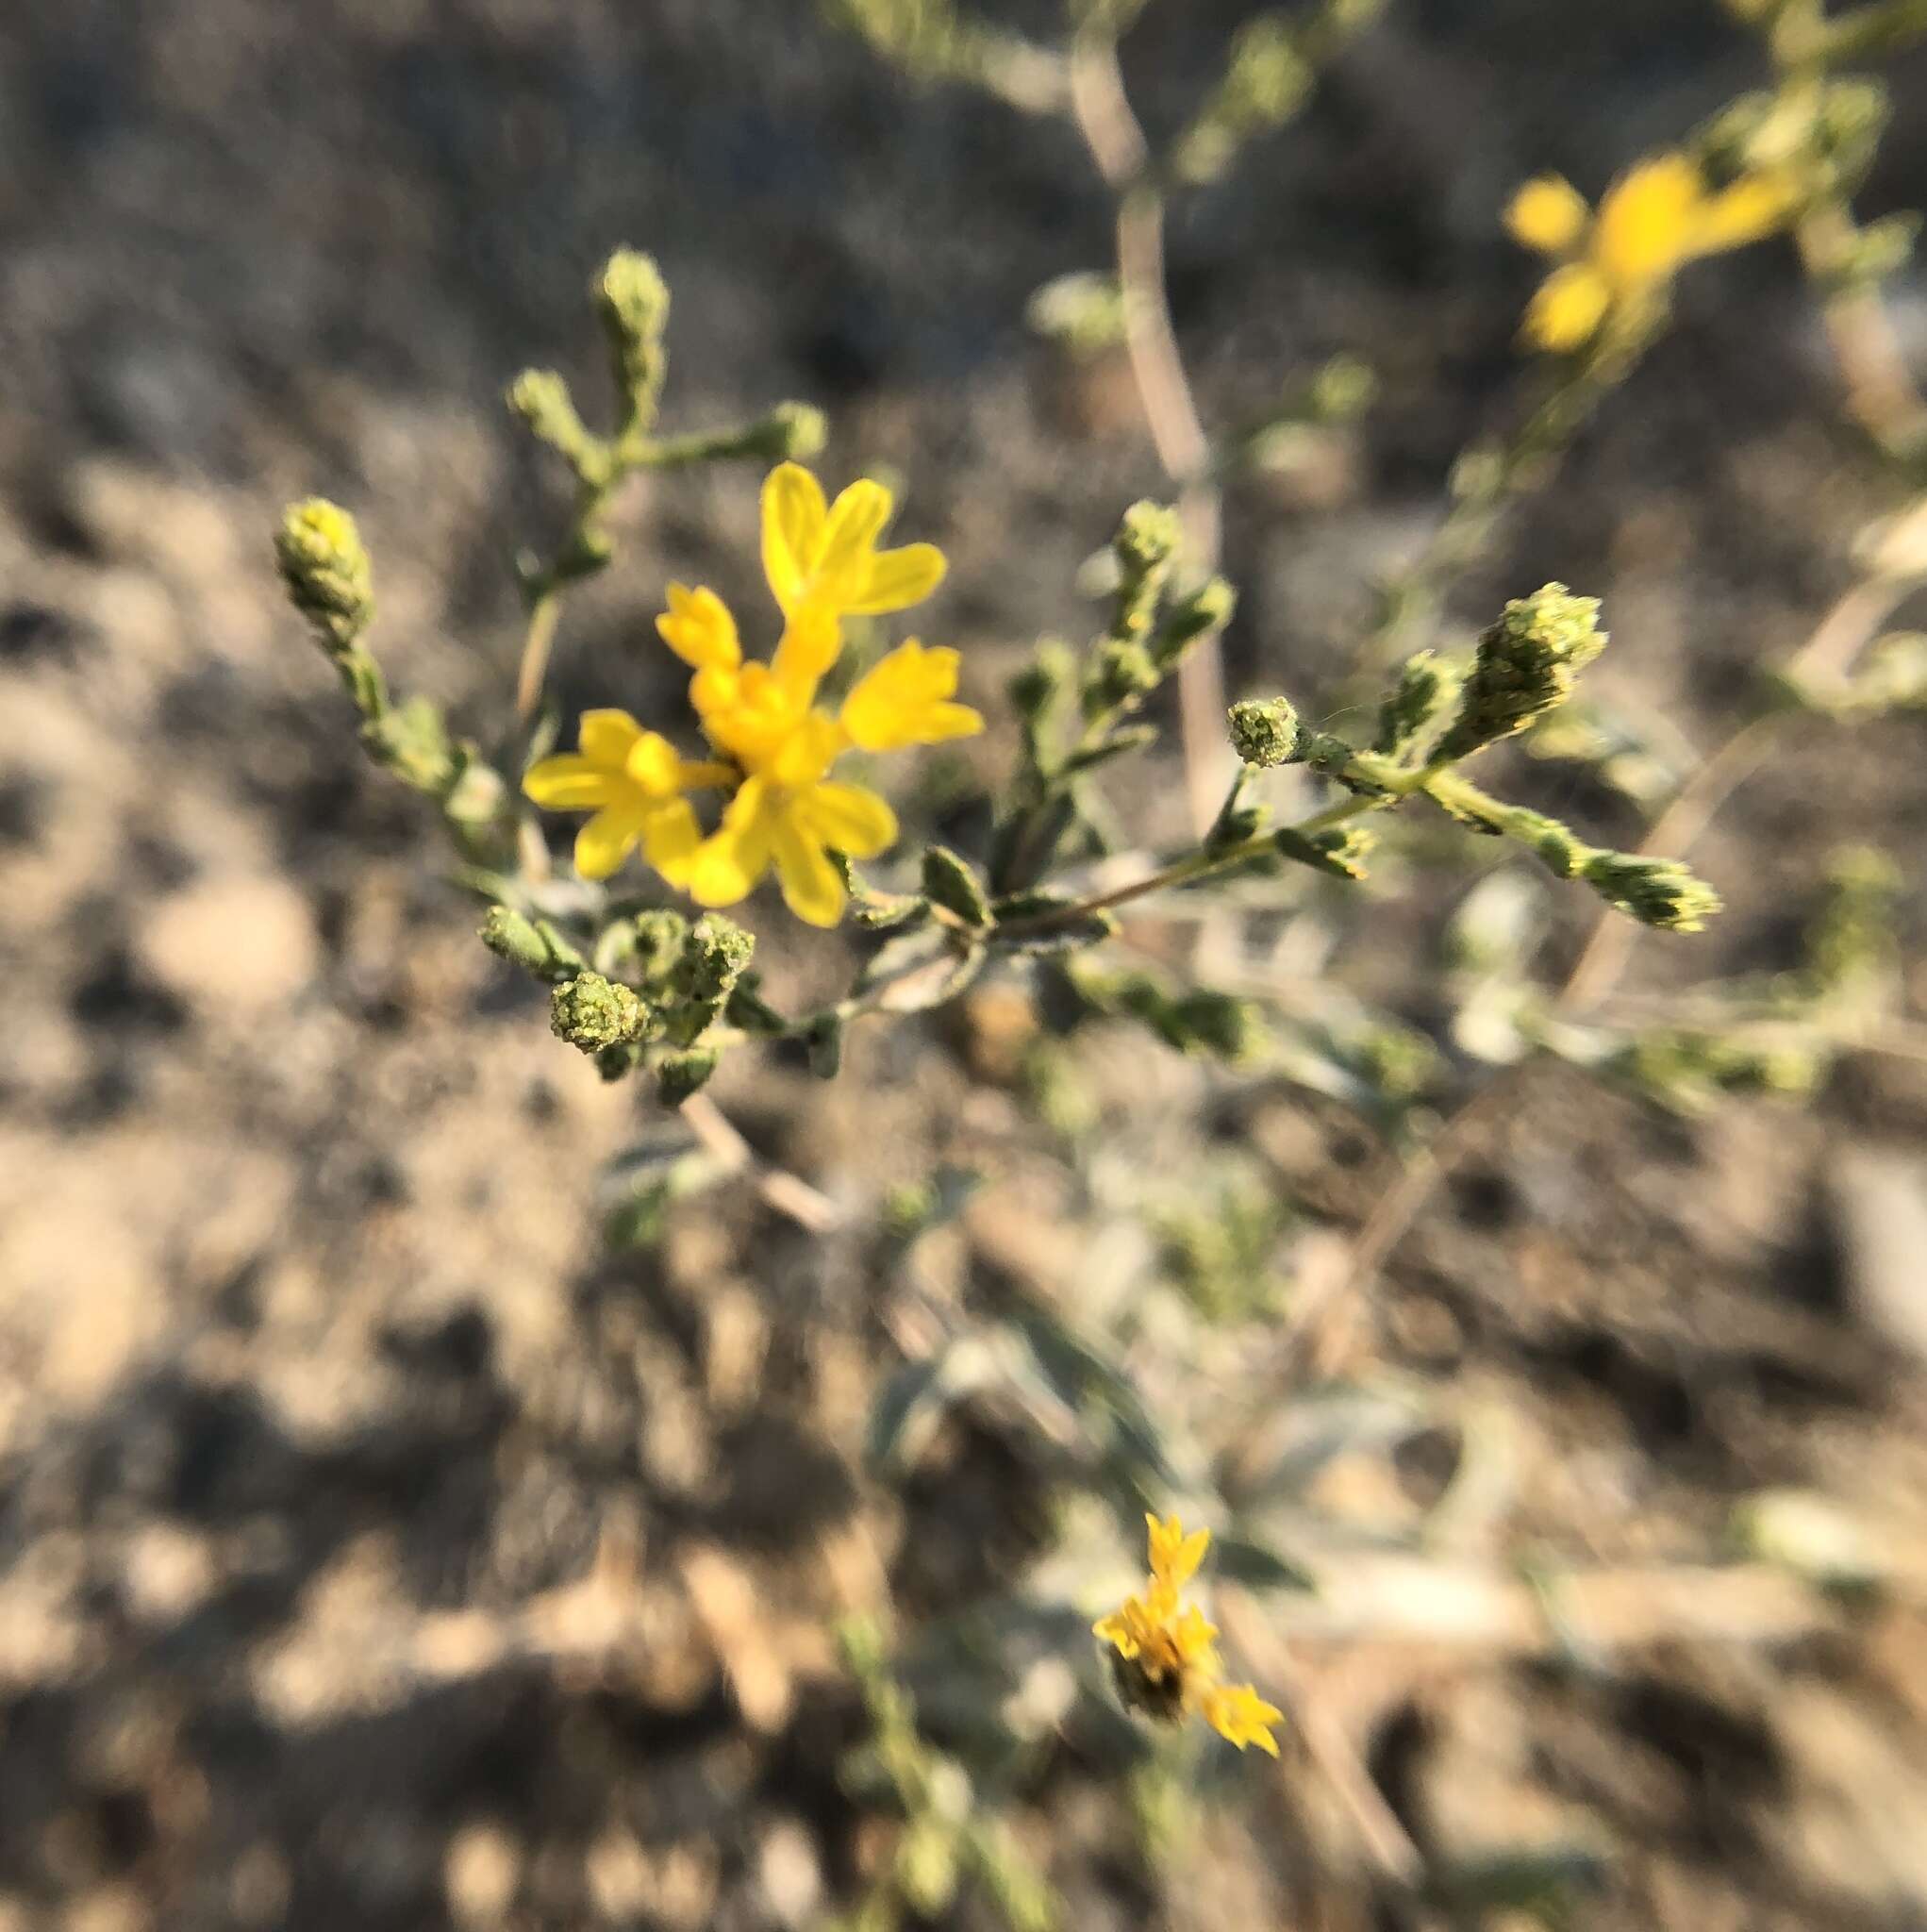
<point>1115,140</point>
<point>789,1193</point>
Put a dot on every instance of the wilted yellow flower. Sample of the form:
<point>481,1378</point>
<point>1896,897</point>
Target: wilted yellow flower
<point>1653,221</point>
<point>1167,1663</point>
<point>789,814</point>
<point>633,781</point>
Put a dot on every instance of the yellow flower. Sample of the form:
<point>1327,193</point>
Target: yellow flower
<point>1167,1663</point>
<point>1653,221</point>
<point>789,814</point>
<point>825,555</point>
<point>633,781</point>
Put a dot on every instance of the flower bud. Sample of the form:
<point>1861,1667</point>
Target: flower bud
<point>1427,687</point>
<point>1207,609</point>
<point>713,958</point>
<point>533,945</point>
<point>1265,731</point>
<point>633,301</point>
<point>540,398</point>
<point>326,570</point>
<point>791,432</point>
<point>1526,664</point>
<point>1655,891</point>
<point>592,1013</point>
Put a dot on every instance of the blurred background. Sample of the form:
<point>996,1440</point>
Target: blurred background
<point>380,1547</point>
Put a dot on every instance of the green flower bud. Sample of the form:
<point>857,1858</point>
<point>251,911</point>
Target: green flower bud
<point>632,299</point>
<point>540,398</point>
<point>791,432</point>
<point>1265,731</point>
<point>713,958</point>
<point>1120,671</point>
<point>1207,609</point>
<point>680,1075</point>
<point>1427,688</point>
<point>1147,538</point>
<point>1526,665</point>
<point>1145,547</point>
<point>592,1013</point>
<point>1084,312</point>
<point>1655,891</point>
<point>1343,389</point>
<point>950,882</point>
<point>533,945</point>
<point>330,579</point>
<point>658,938</point>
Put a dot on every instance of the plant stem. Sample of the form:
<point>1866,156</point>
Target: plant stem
<point>1116,139</point>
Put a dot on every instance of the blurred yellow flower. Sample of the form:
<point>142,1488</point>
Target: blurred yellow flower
<point>1167,1663</point>
<point>1653,221</point>
<point>633,781</point>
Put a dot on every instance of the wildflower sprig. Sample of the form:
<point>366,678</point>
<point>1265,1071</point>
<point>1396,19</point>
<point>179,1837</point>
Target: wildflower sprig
<point>1166,1663</point>
<point>949,1836</point>
<point>632,303</point>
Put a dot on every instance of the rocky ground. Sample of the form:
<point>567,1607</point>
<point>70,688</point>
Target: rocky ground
<point>380,1548</point>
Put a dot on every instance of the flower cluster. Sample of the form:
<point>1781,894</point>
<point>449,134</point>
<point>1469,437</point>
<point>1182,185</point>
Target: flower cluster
<point>1617,261</point>
<point>777,745</point>
<point>1167,1663</point>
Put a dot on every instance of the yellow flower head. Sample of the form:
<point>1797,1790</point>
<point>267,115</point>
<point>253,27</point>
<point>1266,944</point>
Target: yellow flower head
<point>1652,221</point>
<point>633,781</point>
<point>1167,1663</point>
<point>787,813</point>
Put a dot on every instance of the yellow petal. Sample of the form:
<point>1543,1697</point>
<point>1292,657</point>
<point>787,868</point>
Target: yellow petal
<point>653,765</point>
<point>1116,1631</point>
<point>811,642</point>
<point>1192,1637</point>
<point>1567,311</point>
<point>794,515</point>
<point>698,627</point>
<point>607,840</point>
<point>1174,1555</point>
<point>1648,223</point>
<point>569,783</point>
<point>811,887</point>
<point>807,752</point>
<point>856,522</point>
<point>850,818</point>
<point>1549,214</point>
<point>905,699</point>
<point>671,837</point>
<point>1241,1717</point>
<point>725,867</point>
<point>898,578</point>
<point>604,736</point>
<point>1754,207</point>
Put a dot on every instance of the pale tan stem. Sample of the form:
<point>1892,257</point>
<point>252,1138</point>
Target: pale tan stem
<point>787,1192</point>
<point>1111,131</point>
